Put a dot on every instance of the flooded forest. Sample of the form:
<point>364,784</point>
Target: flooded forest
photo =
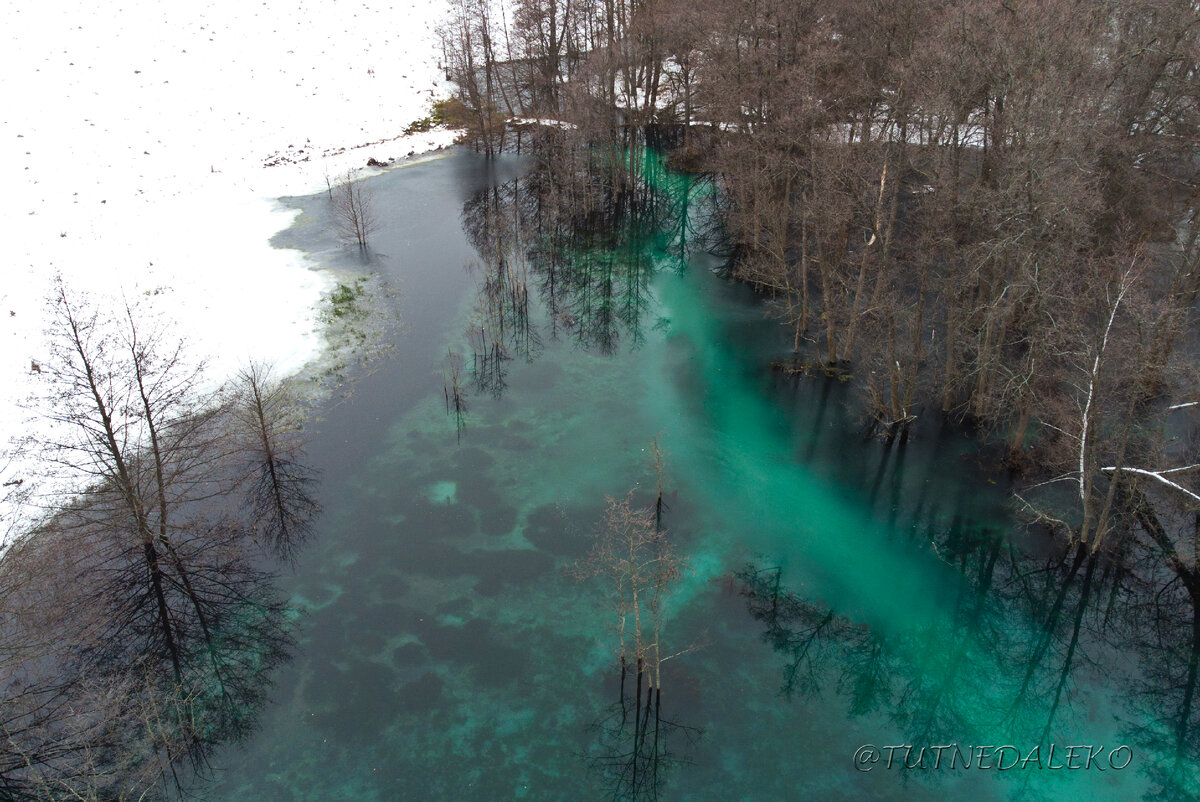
<point>788,400</point>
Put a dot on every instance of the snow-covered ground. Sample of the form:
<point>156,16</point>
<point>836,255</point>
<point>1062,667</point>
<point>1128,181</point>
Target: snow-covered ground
<point>136,136</point>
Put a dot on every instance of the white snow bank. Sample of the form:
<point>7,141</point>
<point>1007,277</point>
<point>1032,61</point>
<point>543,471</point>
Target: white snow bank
<point>548,122</point>
<point>135,135</point>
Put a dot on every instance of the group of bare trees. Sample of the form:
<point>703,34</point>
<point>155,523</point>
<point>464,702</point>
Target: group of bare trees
<point>595,62</point>
<point>987,210</point>
<point>141,613</point>
<point>633,554</point>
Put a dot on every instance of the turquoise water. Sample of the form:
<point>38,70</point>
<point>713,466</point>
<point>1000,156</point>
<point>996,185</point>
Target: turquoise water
<point>839,590</point>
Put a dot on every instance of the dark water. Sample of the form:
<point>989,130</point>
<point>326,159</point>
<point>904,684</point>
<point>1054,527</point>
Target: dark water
<point>840,590</point>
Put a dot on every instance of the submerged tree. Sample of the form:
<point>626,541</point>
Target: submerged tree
<point>941,175</point>
<point>632,552</point>
<point>354,215</point>
<point>453,389</point>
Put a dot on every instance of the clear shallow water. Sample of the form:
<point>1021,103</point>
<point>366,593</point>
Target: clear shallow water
<point>840,590</point>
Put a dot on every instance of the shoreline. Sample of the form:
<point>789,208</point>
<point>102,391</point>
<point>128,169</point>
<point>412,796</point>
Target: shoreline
<point>219,313</point>
<point>369,312</point>
<point>139,138</point>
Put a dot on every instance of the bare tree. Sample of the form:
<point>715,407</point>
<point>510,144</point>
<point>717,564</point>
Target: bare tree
<point>280,493</point>
<point>160,643</point>
<point>354,210</point>
<point>473,62</point>
<point>632,550</point>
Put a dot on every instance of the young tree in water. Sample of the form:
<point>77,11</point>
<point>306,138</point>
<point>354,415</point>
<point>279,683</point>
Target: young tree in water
<point>455,392</point>
<point>632,551</point>
<point>354,210</point>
